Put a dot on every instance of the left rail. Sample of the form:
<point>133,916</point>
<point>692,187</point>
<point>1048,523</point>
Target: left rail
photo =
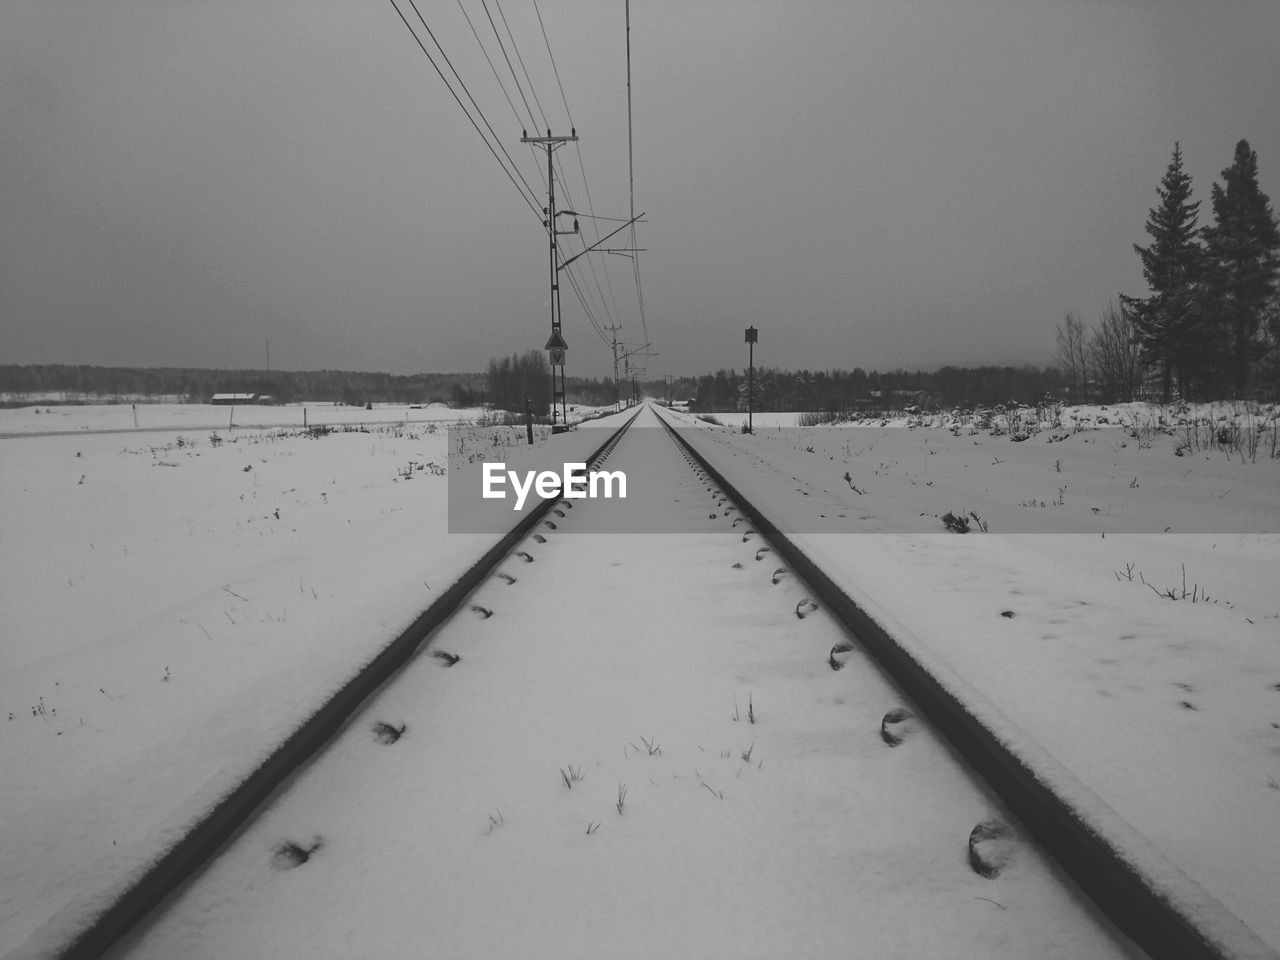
<point>202,842</point>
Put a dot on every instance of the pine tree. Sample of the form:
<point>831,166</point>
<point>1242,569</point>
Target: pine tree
<point>1168,324</point>
<point>1241,251</point>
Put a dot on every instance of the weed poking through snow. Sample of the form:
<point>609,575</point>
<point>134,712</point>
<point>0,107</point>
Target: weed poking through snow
<point>288,855</point>
<point>446,659</point>
<point>387,734</point>
<point>960,524</point>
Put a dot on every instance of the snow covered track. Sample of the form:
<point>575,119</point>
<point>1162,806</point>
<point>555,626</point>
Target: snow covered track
<point>1147,897</point>
<point>630,746</point>
<point>640,745</point>
<point>203,841</point>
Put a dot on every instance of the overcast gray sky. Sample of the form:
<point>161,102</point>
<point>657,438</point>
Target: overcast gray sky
<point>873,183</point>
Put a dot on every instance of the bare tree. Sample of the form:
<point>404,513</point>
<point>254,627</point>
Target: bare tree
<point>1073,357</point>
<point>1114,354</point>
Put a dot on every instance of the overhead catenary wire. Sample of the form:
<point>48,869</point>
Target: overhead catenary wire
<point>557,166</point>
<point>526,193</point>
<point>516,50</point>
<point>502,86</point>
<point>502,47</point>
<point>488,59</point>
<point>585,182</point>
<point>631,175</point>
<point>468,103</point>
<point>462,84</point>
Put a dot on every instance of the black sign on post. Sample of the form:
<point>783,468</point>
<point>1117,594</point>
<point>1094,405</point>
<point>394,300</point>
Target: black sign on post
<point>751,374</point>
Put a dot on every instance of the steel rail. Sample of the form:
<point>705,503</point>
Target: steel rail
<point>1159,920</point>
<point>201,843</point>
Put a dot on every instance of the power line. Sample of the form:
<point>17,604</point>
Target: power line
<point>503,48</point>
<point>585,182</point>
<point>463,84</point>
<point>516,50</point>
<point>502,86</point>
<point>573,282</point>
<point>635,263</point>
<point>526,197</point>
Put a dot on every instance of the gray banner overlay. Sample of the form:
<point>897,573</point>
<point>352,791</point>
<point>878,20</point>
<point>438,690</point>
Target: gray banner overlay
<point>872,480</point>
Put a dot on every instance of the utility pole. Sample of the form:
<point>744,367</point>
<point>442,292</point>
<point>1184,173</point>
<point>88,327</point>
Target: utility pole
<point>613,333</point>
<point>556,344</point>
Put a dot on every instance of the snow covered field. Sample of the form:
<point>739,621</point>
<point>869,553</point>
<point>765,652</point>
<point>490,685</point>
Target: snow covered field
<point>1161,694</point>
<point>204,417</point>
<point>171,610</point>
<point>641,752</point>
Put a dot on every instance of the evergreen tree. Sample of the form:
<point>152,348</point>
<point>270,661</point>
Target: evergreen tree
<point>1241,250</point>
<point>1168,324</point>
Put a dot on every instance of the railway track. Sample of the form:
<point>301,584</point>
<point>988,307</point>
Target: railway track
<point>731,631</point>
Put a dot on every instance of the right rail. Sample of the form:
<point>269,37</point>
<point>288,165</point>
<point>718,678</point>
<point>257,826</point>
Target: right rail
<point>1148,898</point>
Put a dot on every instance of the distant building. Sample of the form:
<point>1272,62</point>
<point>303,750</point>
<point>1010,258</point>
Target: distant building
<point>227,399</point>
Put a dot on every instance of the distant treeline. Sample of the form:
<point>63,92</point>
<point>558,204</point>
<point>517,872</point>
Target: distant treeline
<point>510,380</point>
<point>858,389</point>
<point>505,384</point>
<point>197,385</point>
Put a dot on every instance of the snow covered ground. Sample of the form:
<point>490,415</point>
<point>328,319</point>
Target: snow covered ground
<point>207,418</point>
<point>1161,694</point>
<point>85,418</point>
<point>174,604</point>
<point>641,752</point>
<point>173,609</point>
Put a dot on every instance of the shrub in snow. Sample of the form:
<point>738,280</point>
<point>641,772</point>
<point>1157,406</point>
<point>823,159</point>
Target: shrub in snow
<point>959,523</point>
<point>385,733</point>
<point>288,855</point>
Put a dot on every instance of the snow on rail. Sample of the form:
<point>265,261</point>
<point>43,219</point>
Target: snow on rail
<point>1148,896</point>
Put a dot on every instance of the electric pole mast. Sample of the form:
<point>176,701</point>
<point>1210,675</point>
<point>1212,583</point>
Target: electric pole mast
<point>613,333</point>
<point>556,344</point>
